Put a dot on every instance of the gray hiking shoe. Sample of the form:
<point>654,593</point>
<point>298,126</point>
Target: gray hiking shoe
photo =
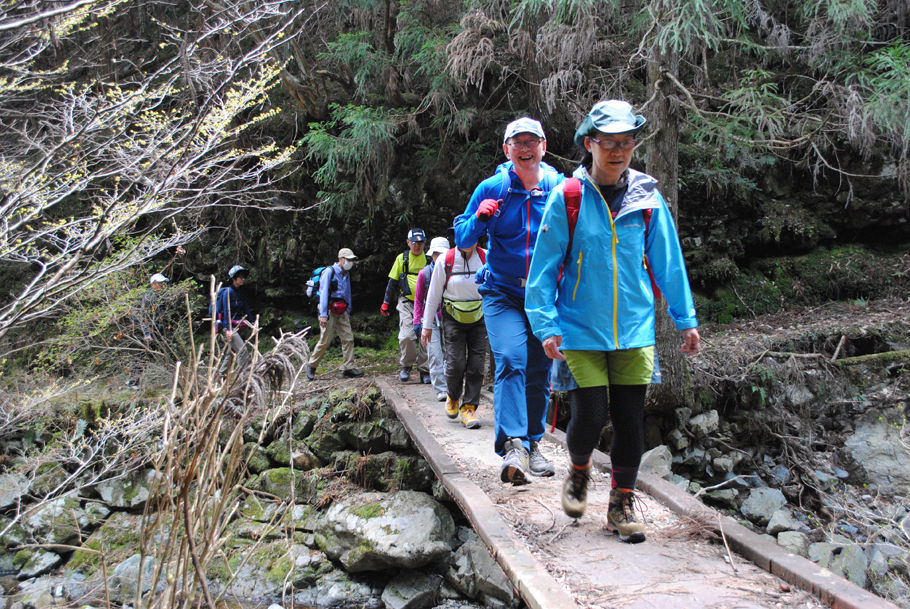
<point>538,464</point>
<point>514,462</point>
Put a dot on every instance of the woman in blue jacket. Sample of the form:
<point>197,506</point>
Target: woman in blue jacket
<point>508,207</point>
<point>593,305</point>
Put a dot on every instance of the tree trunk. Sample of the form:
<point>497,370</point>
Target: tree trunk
<point>663,163</point>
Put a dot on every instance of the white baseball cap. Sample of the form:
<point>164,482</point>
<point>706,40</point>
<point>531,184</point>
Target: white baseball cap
<point>523,125</point>
<point>439,245</point>
<point>157,278</point>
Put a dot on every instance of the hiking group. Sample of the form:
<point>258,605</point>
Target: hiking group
<point>569,283</point>
<point>564,294</point>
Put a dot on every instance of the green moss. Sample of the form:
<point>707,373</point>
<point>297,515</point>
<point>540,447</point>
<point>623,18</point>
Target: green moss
<point>22,557</point>
<point>279,569</point>
<point>368,511</point>
<point>404,467</point>
<point>116,540</point>
<point>280,476</point>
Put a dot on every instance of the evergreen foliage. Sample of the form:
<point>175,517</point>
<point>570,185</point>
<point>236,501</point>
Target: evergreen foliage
<point>167,113</point>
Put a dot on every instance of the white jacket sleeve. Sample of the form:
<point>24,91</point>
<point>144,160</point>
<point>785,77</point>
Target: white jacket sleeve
<point>434,292</point>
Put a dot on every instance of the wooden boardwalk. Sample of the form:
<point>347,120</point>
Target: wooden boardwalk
<point>555,562</point>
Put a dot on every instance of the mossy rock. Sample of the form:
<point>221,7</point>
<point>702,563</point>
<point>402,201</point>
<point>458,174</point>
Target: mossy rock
<point>389,471</point>
<point>278,481</point>
<point>48,477</point>
<point>324,440</point>
<point>298,453</point>
<point>306,485</point>
<point>116,540</point>
<point>304,421</point>
<point>368,436</point>
<point>15,536</point>
<point>279,452</point>
<point>257,460</point>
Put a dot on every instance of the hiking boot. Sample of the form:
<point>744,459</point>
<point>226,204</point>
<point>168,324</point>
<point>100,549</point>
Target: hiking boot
<point>538,464</point>
<point>575,491</point>
<point>621,517</point>
<point>514,462</point>
<point>311,373</point>
<point>405,375</point>
<point>451,408</point>
<point>466,416</point>
<point>441,396</point>
<point>425,378</point>
<point>352,373</point>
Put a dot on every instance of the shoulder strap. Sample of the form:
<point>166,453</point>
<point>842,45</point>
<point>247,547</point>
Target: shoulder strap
<point>404,260</point>
<point>646,213</point>
<point>571,192</point>
<point>450,262</point>
<point>506,184</point>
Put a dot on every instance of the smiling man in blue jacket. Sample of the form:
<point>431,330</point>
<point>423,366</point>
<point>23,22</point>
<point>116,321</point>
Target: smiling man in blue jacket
<point>508,207</point>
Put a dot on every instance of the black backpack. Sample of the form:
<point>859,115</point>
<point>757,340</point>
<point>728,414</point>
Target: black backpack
<point>314,282</point>
<point>403,284</point>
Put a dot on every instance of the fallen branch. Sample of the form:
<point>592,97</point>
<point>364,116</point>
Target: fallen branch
<point>840,345</point>
<point>720,527</point>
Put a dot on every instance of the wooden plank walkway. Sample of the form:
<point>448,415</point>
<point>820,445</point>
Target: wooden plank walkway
<point>555,562</point>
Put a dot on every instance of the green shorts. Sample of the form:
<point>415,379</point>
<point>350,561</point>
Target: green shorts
<point>602,368</point>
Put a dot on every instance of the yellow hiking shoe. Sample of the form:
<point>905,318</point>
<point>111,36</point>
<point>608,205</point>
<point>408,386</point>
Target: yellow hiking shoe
<point>451,408</point>
<point>467,418</point>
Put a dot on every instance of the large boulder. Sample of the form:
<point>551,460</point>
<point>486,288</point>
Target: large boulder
<point>412,590</point>
<point>117,539</point>
<point>704,424</point>
<point>340,590</point>
<point>877,454</point>
<point>129,575</point>
<point>657,461</point>
<point>474,573</point>
<point>372,531</point>
<point>761,504</point>
<point>266,571</point>
<point>33,562</point>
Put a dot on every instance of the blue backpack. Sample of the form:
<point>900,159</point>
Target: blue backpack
<point>314,282</point>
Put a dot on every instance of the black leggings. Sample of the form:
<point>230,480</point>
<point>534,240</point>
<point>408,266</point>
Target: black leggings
<point>589,415</point>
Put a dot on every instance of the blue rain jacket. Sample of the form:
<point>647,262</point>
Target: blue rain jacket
<point>513,230</point>
<point>603,301</point>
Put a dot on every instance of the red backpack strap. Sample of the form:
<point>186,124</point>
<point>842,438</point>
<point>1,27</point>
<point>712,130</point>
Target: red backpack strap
<point>450,262</point>
<point>647,216</point>
<point>571,193</point>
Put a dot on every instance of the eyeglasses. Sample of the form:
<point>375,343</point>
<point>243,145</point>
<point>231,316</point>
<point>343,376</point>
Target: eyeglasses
<point>613,144</point>
<point>527,144</point>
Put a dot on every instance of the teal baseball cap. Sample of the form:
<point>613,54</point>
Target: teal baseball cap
<point>610,116</point>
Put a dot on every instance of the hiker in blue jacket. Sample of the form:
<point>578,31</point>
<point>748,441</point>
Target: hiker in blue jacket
<point>508,206</point>
<point>589,300</point>
<point>233,314</point>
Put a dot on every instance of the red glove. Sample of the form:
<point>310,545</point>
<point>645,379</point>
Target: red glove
<point>384,309</point>
<point>486,209</point>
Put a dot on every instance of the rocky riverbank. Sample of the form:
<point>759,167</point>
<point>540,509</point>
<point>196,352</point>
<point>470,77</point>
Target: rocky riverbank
<point>799,429</point>
<point>334,508</point>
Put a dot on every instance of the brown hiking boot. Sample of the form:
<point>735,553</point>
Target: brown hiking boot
<point>575,491</point>
<point>621,517</point>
